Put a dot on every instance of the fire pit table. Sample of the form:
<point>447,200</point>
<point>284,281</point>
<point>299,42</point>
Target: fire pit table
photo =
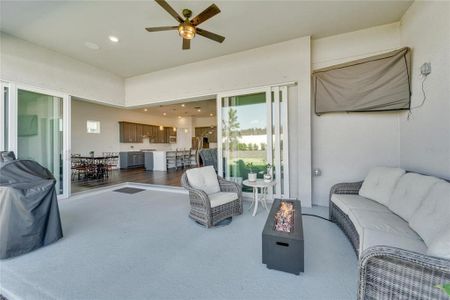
<point>282,237</point>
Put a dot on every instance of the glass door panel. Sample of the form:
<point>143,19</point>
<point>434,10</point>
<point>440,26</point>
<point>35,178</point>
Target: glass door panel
<point>4,106</point>
<point>244,136</point>
<point>253,133</point>
<point>40,131</point>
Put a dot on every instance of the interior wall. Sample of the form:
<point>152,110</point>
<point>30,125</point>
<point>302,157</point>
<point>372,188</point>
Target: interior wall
<point>109,117</point>
<point>108,139</point>
<point>27,63</point>
<point>277,63</point>
<point>425,138</point>
<point>346,145</point>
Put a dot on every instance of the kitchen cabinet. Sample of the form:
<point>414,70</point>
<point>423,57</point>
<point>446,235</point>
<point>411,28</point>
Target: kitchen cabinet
<point>131,159</point>
<point>135,133</point>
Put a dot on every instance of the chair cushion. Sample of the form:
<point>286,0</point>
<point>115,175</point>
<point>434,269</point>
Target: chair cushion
<point>433,215</point>
<point>440,245</point>
<point>409,193</point>
<point>346,202</point>
<point>372,238</point>
<point>204,179</point>
<point>380,183</point>
<point>384,221</point>
<point>221,198</point>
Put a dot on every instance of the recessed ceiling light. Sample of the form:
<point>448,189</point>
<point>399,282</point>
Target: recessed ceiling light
<point>199,110</point>
<point>164,114</point>
<point>183,105</point>
<point>211,115</point>
<point>145,109</point>
<point>92,46</point>
<point>113,39</point>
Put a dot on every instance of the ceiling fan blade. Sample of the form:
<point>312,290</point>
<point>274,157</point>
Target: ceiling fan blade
<point>210,35</point>
<point>170,10</point>
<point>186,44</point>
<point>162,28</point>
<point>205,15</point>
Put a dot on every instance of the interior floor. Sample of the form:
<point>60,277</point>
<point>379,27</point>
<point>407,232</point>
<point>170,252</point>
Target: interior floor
<point>137,175</point>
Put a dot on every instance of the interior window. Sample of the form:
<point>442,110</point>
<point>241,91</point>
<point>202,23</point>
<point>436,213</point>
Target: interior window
<point>93,126</point>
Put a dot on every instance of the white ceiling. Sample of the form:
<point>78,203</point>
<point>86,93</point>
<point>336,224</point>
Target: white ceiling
<point>65,26</point>
<point>183,109</point>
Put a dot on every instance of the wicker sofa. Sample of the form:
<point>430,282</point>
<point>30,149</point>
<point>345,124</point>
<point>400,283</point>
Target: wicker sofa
<point>392,268</point>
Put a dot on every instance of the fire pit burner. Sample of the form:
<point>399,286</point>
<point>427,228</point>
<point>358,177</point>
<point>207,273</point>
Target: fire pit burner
<point>284,218</point>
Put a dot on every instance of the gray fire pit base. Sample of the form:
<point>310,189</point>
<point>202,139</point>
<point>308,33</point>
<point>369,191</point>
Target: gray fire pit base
<point>283,251</point>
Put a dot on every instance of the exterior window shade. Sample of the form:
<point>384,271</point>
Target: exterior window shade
<point>377,83</point>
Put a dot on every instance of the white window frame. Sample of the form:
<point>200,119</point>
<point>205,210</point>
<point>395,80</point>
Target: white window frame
<point>12,127</point>
<point>270,122</point>
<point>98,125</point>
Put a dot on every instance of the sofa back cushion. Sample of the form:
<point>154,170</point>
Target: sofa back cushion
<point>440,245</point>
<point>380,183</point>
<point>433,215</point>
<point>409,193</point>
<point>204,179</point>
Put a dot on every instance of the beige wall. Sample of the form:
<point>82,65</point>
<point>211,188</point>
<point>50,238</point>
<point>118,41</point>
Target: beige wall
<point>345,146</point>
<point>425,138</point>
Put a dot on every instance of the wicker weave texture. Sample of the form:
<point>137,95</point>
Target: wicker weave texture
<point>389,272</point>
<point>201,210</point>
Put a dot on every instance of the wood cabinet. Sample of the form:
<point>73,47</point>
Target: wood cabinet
<point>130,132</point>
<point>209,132</point>
<point>135,133</point>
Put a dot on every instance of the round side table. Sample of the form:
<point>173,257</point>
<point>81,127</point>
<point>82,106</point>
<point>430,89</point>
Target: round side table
<point>264,186</point>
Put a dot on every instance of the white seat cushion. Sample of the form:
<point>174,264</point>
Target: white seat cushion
<point>347,202</point>
<point>204,179</point>
<point>221,198</point>
<point>440,245</point>
<point>409,193</point>
<point>384,221</point>
<point>372,238</point>
<point>433,215</point>
<point>380,183</point>
<point>376,228</point>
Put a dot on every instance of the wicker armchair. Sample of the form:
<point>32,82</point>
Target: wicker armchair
<point>390,272</point>
<point>201,210</point>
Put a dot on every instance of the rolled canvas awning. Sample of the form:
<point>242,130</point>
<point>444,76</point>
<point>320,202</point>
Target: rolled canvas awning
<point>376,83</point>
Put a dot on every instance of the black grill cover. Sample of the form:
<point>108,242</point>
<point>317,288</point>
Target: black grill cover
<point>29,214</point>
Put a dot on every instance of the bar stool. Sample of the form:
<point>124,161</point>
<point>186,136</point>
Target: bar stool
<point>186,158</point>
<point>171,159</point>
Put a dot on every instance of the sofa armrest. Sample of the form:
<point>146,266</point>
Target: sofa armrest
<point>343,188</point>
<point>232,187</point>
<point>228,186</point>
<point>394,273</point>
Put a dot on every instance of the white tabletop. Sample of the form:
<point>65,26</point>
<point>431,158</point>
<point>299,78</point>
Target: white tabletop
<point>258,183</point>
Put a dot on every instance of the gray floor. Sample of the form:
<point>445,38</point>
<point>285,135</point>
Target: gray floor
<point>143,246</point>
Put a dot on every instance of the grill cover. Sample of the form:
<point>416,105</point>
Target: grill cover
<point>377,83</point>
<point>29,214</point>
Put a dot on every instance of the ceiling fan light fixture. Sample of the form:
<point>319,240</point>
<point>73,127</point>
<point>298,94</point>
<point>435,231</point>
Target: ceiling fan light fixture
<point>186,30</point>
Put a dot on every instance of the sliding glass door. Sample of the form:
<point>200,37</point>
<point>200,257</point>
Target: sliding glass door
<point>253,133</point>
<point>37,128</point>
<point>4,90</point>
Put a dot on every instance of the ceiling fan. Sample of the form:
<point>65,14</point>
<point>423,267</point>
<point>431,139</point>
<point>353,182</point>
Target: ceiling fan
<point>187,28</point>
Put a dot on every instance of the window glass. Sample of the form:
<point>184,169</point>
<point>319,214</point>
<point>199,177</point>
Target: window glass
<point>93,126</point>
